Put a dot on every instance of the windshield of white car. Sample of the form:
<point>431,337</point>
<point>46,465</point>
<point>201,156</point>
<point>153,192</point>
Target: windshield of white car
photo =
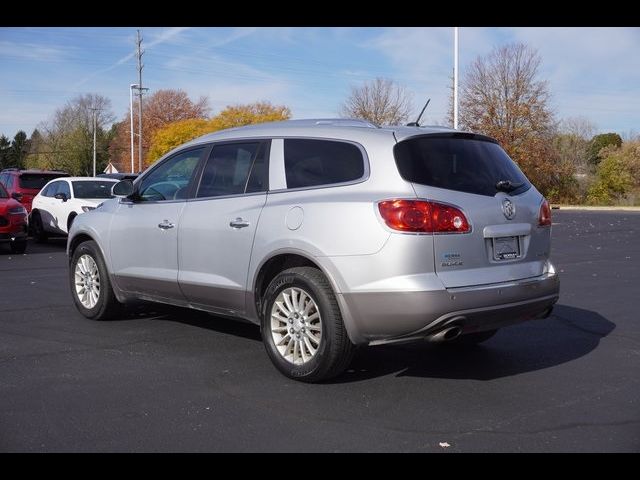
<point>92,189</point>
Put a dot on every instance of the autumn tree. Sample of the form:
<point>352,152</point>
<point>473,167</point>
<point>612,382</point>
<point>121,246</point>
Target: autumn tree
<point>174,134</point>
<point>502,96</point>
<point>159,109</point>
<point>572,141</point>
<point>382,102</point>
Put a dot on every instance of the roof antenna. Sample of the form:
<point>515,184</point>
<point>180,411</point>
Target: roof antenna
<point>416,124</point>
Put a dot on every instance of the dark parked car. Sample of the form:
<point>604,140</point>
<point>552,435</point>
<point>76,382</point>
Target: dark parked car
<point>120,176</point>
<point>13,222</point>
<point>23,185</point>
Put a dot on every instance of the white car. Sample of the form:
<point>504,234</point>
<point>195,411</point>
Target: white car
<point>61,200</point>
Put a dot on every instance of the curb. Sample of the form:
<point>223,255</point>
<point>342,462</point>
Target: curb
<point>594,208</point>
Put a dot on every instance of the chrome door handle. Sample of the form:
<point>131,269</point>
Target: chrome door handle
<point>238,223</point>
<point>166,225</point>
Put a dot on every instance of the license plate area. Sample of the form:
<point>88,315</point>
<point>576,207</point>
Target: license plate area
<point>506,248</point>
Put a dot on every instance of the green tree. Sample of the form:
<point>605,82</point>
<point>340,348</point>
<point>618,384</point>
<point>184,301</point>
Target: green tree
<point>599,142</point>
<point>618,175</point>
<point>18,150</point>
<point>4,150</point>
<point>67,141</point>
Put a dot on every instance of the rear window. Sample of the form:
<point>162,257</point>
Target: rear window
<point>91,189</point>
<point>37,180</point>
<point>309,163</point>
<point>466,163</point>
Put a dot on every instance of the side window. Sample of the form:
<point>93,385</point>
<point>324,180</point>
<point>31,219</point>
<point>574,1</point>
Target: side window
<point>227,169</point>
<point>52,189</point>
<point>64,188</point>
<point>46,191</point>
<point>259,176</point>
<point>3,179</point>
<point>170,180</point>
<point>309,163</point>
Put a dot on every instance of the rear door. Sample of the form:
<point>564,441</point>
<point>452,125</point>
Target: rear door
<point>218,226</point>
<point>505,242</point>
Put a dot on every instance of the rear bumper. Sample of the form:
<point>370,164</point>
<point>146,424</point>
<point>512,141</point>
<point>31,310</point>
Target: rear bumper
<point>381,317</point>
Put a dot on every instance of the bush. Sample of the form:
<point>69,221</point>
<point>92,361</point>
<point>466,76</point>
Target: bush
<point>599,142</point>
<point>618,176</point>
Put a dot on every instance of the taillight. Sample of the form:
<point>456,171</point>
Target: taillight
<point>421,216</point>
<point>544,217</point>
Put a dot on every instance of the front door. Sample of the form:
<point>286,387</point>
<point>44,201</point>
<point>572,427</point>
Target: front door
<point>218,226</point>
<point>144,232</point>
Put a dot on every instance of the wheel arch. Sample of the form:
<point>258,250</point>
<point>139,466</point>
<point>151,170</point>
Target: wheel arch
<point>282,260</point>
<point>70,219</point>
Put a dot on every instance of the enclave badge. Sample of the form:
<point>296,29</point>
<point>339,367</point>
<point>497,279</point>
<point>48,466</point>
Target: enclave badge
<point>508,208</point>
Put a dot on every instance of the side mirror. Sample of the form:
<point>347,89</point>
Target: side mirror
<point>123,189</point>
<point>61,196</point>
<point>17,196</point>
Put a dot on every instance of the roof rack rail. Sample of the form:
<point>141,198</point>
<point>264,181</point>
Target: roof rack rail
<point>346,122</point>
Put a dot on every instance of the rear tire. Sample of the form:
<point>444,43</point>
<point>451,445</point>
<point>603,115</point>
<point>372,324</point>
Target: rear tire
<point>302,327</point>
<point>19,246</point>
<point>39,233</point>
<point>471,339</point>
<point>90,285</point>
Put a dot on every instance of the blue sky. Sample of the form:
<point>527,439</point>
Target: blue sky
<point>592,72</point>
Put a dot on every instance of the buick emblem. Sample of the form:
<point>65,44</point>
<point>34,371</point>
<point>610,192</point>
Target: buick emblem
<point>508,208</point>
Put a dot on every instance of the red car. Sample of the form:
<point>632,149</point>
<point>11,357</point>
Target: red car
<point>23,185</point>
<point>13,222</point>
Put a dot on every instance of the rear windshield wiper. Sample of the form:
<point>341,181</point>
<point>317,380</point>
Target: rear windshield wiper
<point>507,185</point>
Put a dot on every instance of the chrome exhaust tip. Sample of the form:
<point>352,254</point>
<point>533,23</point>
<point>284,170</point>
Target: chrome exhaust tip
<point>446,334</point>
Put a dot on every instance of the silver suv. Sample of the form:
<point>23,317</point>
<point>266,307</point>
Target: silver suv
<point>329,234</point>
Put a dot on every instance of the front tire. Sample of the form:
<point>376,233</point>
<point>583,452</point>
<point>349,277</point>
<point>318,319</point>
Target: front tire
<point>19,246</point>
<point>39,232</point>
<point>302,327</point>
<point>90,285</point>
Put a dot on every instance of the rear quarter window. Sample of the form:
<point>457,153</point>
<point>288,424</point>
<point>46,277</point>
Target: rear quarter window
<point>461,162</point>
<point>311,163</point>
<point>36,180</point>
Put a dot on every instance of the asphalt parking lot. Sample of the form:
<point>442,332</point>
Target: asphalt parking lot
<point>166,379</point>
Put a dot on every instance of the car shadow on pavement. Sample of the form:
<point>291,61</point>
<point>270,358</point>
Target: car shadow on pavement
<point>568,334</point>
<point>195,318</point>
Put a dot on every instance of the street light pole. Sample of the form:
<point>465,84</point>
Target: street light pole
<point>94,142</point>
<point>131,87</point>
<point>95,128</point>
<point>455,78</point>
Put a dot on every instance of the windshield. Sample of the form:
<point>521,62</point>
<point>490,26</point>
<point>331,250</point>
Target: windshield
<point>3,192</point>
<point>462,162</point>
<point>92,189</point>
<point>36,181</point>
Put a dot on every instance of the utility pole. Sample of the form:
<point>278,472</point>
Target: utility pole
<point>140,90</point>
<point>131,87</point>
